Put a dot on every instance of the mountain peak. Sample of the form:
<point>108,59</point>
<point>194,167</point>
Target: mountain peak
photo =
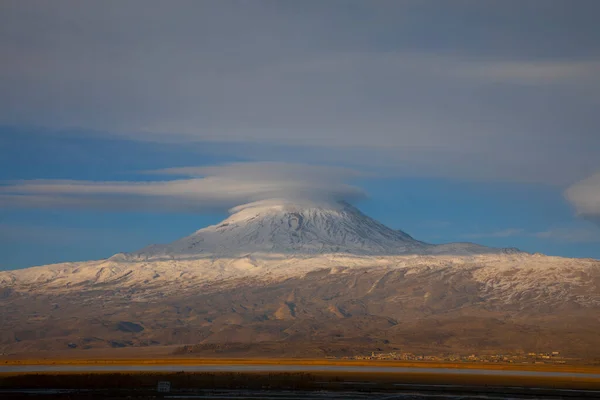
<point>285,227</point>
<point>302,228</point>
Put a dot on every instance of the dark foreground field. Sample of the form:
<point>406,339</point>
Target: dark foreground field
<point>289,386</point>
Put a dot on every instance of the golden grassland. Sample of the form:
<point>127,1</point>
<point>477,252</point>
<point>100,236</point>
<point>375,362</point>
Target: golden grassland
<point>296,362</point>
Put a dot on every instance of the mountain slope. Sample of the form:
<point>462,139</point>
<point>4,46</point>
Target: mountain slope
<point>312,278</point>
<point>498,303</point>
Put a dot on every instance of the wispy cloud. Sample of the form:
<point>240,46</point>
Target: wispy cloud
<point>39,234</point>
<point>59,235</point>
<point>528,72</point>
<point>496,234</point>
<point>571,235</point>
<point>218,188</point>
<point>565,235</point>
<point>265,171</point>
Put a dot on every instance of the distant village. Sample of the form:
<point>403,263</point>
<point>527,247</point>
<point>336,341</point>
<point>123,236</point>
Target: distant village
<point>553,357</point>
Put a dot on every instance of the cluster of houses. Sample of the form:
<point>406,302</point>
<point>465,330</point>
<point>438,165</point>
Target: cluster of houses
<point>537,358</point>
<point>544,356</point>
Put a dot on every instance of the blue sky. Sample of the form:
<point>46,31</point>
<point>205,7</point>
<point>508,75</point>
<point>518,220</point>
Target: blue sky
<point>452,120</point>
<point>432,209</point>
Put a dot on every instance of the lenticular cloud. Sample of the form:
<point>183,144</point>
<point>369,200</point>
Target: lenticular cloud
<point>199,189</point>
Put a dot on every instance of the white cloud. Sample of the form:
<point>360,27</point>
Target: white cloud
<point>585,196</point>
<point>220,187</point>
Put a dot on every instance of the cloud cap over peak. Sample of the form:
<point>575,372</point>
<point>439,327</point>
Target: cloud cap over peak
<point>218,188</point>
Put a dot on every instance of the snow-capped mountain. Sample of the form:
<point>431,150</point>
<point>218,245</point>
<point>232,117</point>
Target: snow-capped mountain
<point>299,228</point>
<point>304,273</point>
